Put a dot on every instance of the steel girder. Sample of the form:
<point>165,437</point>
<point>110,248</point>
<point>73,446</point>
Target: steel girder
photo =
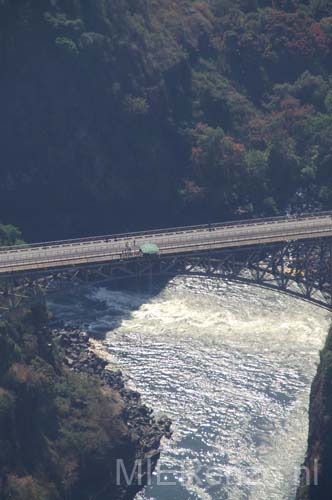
<point>300,268</point>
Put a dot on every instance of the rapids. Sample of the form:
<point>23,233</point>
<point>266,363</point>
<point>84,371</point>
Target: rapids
<point>231,365</point>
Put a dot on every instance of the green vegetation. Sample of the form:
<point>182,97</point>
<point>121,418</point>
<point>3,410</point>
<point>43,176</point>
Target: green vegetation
<point>60,432</point>
<point>202,109</point>
<point>10,235</point>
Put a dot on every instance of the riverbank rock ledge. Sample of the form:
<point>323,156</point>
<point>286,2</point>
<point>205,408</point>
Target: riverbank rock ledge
<point>69,426</point>
<point>148,431</point>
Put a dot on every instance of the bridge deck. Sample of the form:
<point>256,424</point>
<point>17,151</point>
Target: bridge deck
<point>174,241</point>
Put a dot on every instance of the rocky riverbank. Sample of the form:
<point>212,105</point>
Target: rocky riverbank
<point>80,356</point>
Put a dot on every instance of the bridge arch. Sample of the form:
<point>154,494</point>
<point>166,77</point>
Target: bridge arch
<point>292,255</point>
<point>301,268</point>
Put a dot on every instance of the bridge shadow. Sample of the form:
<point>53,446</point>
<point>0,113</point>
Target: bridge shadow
<point>99,309</point>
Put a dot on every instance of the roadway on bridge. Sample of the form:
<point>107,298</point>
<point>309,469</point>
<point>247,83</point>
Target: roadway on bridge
<point>182,240</point>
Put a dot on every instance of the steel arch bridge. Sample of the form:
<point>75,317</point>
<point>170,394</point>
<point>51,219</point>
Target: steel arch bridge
<point>293,256</point>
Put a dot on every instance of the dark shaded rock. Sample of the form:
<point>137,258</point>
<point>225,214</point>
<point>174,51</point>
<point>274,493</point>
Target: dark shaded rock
<point>316,478</point>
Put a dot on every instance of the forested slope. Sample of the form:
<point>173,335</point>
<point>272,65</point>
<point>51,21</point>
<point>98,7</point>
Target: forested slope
<point>122,114</point>
<point>62,432</point>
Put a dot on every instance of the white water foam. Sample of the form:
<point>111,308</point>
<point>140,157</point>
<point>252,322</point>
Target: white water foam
<point>232,366</point>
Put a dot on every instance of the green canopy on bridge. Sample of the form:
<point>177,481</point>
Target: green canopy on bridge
<point>149,249</point>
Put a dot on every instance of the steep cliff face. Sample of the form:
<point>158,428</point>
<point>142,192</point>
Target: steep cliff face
<point>91,92</point>
<point>62,432</point>
<point>318,463</point>
<point>119,114</point>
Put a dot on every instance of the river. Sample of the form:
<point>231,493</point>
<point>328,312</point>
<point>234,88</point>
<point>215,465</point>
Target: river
<point>231,364</point>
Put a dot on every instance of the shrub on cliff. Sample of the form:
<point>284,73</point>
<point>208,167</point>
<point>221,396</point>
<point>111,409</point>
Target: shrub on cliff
<point>60,432</point>
<point>10,235</point>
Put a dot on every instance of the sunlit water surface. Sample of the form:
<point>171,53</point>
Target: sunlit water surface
<point>231,365</point>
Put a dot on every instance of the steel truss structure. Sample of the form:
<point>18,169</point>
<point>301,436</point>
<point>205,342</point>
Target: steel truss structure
<point>301,268</point>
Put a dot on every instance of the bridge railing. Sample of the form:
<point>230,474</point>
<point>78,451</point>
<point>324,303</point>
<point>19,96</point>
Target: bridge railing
<point>156,232</point>
<point>94,254</point>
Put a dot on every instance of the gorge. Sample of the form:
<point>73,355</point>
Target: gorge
<point>128,115</point>
<point>230,364</point>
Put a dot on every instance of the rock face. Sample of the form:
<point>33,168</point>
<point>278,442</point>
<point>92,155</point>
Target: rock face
<point>316,477</point>
<point>69,427</point>
<point>147,431</point>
